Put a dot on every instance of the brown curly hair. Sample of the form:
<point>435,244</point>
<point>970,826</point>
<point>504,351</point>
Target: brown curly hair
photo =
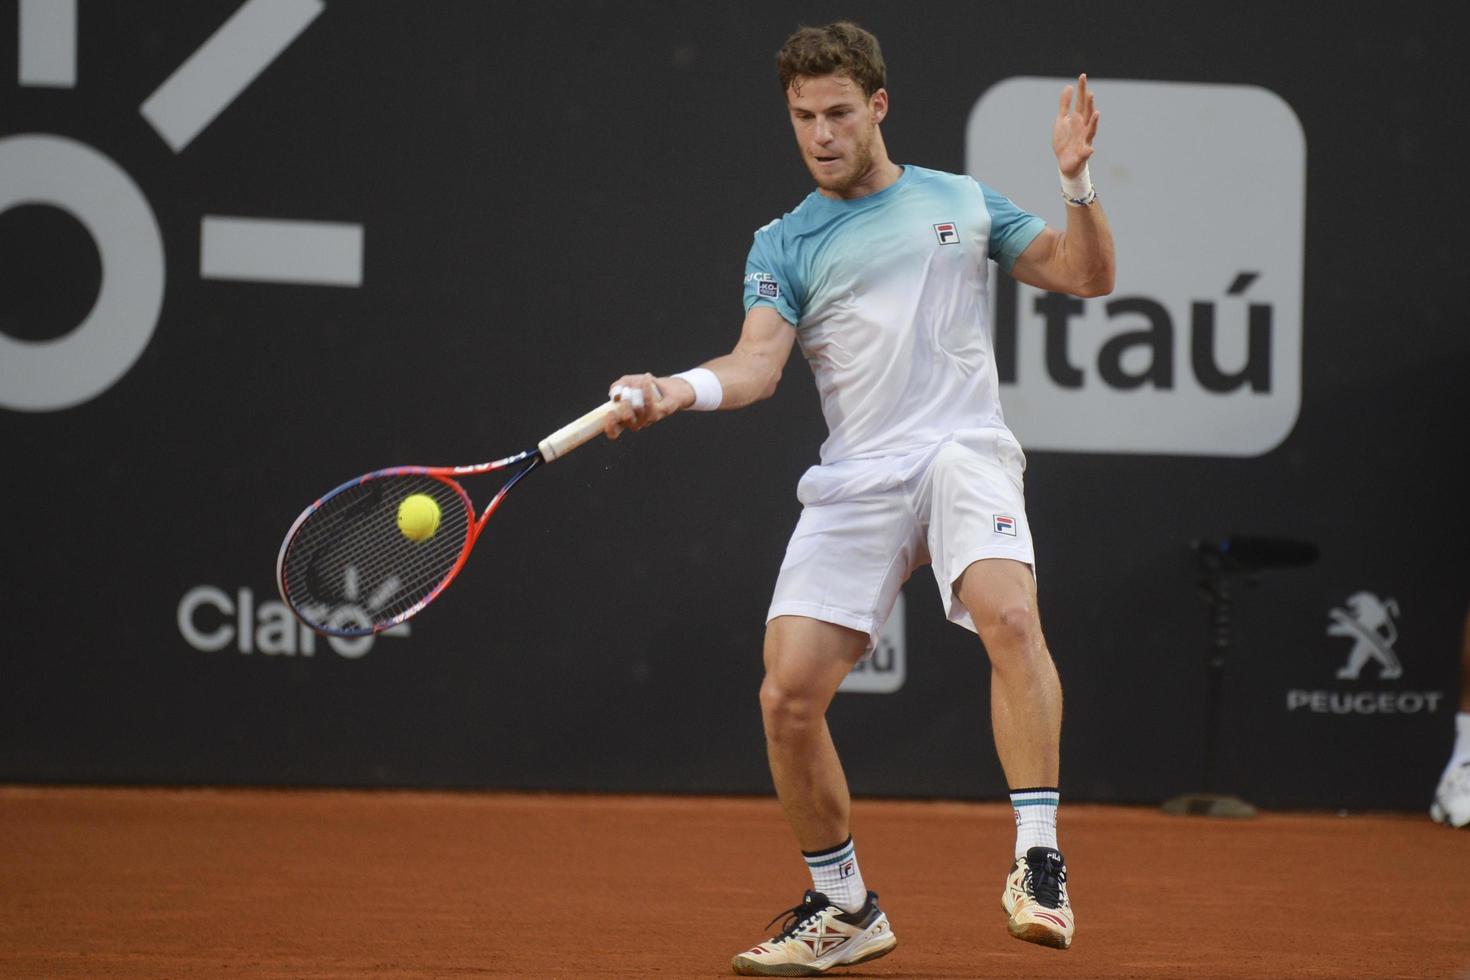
<point>839,48</point>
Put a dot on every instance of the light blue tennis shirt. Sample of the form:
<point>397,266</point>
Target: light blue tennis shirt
<point>889,299</point>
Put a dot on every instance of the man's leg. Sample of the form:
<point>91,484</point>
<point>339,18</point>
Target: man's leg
<point>806,660</point>
<point>1026,716</point>
<point>1025,692</point>
<point>1452,799</point>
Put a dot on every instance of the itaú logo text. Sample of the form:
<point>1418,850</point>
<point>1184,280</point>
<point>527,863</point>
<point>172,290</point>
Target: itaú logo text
<point>58,173</point>
<point>211,619</point>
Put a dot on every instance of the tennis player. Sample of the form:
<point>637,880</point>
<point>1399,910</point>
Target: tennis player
<point>880,275</point>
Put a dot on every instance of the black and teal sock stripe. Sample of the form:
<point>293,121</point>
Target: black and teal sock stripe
<point>829,857</point>
<point>1035,796</point>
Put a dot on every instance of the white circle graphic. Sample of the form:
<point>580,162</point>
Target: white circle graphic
<point>44,376</point>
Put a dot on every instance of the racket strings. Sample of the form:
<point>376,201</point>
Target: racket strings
<point>349,568</point>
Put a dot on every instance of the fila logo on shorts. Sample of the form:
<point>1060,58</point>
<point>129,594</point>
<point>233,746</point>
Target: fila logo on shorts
<point>1005,525</point>
<point>947,233</point>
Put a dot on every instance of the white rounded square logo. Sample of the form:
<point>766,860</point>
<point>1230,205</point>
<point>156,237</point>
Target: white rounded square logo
<point>1197,351</point>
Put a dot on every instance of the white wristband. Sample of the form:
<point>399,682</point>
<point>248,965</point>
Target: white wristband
<point>1078,190</point>
<point>708,392</point>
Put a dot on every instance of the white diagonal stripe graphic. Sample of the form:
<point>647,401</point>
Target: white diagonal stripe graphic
<point>265,250</point>
<point>48,43</point>
<point>224,66</point>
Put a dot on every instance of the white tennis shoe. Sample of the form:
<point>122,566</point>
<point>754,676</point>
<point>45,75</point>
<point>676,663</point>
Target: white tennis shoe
<point>1035,899</point>
<point>817,936</point>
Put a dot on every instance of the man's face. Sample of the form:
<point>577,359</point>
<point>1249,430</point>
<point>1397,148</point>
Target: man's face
<point>836,128</point>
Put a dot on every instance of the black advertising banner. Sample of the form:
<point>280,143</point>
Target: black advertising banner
<point>248,250</point>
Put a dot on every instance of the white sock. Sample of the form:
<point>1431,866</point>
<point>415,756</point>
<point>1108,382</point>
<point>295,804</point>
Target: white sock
<point>1036,817</point>
<point>1462,736</point>
<point>835,874</point>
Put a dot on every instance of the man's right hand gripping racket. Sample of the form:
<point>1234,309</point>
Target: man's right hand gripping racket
<point>381,547</point>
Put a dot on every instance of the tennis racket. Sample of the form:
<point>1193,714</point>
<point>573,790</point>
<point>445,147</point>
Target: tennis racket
<point>347,567</point>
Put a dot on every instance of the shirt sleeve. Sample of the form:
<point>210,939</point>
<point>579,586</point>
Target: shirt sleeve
<point>1011,229</point>
<point>767,280</point>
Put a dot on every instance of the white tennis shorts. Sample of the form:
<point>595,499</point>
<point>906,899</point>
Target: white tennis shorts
<point>867,525</point>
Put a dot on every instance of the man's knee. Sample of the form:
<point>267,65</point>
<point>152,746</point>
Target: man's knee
<point>1000,596</point>
<point>1011,621</point>
<point>788,712</point>
<point>806,660</point>
<point>1011,632</point>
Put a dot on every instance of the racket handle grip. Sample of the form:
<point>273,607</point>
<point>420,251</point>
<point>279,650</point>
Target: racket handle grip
<point>573,434</point>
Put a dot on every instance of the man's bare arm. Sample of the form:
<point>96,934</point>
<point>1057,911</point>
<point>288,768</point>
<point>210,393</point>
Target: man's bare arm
<point>747,374</point>
<point>1079,260</point>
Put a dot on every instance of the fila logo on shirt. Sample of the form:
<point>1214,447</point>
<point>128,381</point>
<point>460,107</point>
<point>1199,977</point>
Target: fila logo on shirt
<point>947,233</point>
<point>1005,525</point>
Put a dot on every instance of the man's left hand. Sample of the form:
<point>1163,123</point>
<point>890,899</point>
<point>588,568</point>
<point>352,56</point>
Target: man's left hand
<point>1072,133</point>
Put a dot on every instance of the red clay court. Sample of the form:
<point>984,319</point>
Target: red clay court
<point>319,884</point>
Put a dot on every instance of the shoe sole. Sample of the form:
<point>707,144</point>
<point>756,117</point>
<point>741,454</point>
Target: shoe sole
<point>1032,932</point>
<point>1035,932</point>
<point>749,968</point>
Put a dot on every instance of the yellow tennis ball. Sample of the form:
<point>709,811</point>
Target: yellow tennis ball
<point>418,517</point>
